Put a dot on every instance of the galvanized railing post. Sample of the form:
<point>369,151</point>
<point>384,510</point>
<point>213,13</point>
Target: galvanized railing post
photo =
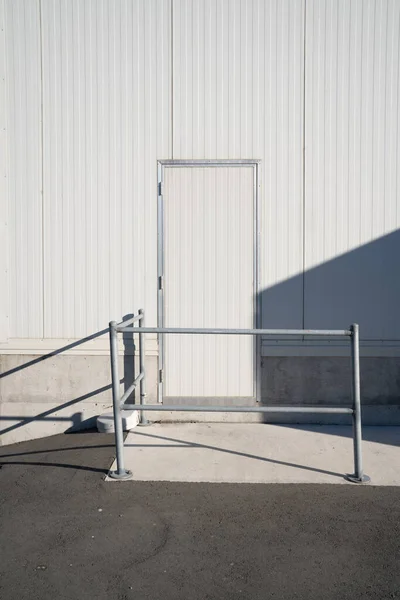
<point>121,472</point>
<point>142,355</point>
<point>358,476</point>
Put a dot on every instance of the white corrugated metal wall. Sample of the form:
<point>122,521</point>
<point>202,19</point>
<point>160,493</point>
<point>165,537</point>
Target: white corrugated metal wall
<point>88,114</point>
<point>352,166</point>
<point>106,110</point>
<point>24,172</point>
<point>96,91</point>
<point>3,185</point>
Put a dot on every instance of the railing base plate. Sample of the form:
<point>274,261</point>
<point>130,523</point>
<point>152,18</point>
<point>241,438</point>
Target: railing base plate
<point>125,475</point>
<point>354,479</point>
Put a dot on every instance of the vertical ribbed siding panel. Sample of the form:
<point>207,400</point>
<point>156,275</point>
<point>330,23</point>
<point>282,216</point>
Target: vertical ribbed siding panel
<point>392,116</point>
<point>238,93</point>
<point>22,25</point>
<point>208,244</point>
<point>352,164</point>
<point>4,177</point>
<point>106,70</point>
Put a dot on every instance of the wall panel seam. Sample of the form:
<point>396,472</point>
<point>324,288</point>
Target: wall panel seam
<point>4,183</point>
<point>304,31</point>
<point>172,78</point>
<point>42,160</point>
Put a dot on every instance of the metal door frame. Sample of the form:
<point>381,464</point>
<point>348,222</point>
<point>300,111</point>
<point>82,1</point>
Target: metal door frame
<point>161,165</point>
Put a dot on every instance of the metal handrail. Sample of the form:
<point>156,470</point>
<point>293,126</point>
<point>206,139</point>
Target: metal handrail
<point>119,402</point>
<point>338,410</point>
<point>132,387</point>
<point>190,330</point>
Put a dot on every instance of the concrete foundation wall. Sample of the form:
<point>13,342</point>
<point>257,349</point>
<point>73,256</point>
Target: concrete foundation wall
<point>41,396</point>
<point>327,381</point>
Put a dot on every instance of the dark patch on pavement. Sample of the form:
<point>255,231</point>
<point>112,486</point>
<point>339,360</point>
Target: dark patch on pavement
<point>66,534</point>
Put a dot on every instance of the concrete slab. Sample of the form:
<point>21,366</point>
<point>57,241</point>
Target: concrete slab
<point>259,453</point>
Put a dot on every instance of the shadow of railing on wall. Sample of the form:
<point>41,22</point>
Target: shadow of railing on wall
<point>75,421</point>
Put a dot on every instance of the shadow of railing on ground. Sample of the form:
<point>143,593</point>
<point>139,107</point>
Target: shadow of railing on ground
<point>186,444</point>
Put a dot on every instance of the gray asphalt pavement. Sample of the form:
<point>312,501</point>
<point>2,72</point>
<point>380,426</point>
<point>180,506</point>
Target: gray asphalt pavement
<point>66,534</point>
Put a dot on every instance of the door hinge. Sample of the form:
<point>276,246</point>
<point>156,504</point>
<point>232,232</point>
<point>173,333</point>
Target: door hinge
<point>160,188</point>
<point>161,282</point>
<point>160,376</point>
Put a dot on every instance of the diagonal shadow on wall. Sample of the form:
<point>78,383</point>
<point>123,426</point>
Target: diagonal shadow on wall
<point>361,286</point>
<point>76,420</point>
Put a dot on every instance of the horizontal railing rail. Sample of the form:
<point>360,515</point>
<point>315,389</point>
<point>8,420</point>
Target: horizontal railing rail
<point>119,402</point>
<point>197,331</point>
<point>338,410</point>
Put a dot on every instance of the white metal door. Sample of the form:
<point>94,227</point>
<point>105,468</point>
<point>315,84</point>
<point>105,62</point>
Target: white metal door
<point>209,280</point>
